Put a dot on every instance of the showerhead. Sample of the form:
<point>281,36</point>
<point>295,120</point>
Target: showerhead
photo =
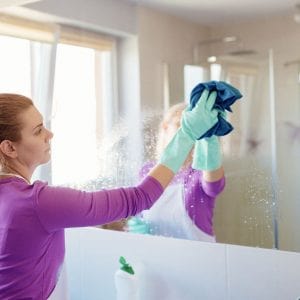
<point>292,62</point>
<point>242,52</point>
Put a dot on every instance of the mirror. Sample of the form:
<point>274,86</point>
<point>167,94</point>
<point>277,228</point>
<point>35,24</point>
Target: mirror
<point>246,211</point>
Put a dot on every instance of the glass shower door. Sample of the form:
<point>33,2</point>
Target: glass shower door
<point>246,210</point>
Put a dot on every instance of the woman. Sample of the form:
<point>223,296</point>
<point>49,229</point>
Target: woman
<point>186,208</point>
<point>33,215</point>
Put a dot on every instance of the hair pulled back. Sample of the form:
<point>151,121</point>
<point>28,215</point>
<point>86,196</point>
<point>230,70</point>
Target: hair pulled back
<point>11,107</point>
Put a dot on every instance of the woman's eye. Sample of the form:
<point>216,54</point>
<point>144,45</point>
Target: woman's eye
<point>38,131</point>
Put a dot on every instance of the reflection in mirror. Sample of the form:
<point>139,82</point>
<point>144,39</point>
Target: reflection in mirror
<point>245,210</point>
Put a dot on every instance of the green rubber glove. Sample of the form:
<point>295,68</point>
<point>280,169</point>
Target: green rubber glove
<point>194,123</point>
<point>207,154</point>
<point>137,225</point>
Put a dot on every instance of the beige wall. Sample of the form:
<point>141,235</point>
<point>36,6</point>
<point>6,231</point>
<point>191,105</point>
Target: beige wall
<point>281,34</point>
<point>164,39</point>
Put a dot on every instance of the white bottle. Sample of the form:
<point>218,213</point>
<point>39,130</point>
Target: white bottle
<point>126,282</point>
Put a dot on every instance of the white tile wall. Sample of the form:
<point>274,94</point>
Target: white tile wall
<point>251,273</point>
<point>175,269</point>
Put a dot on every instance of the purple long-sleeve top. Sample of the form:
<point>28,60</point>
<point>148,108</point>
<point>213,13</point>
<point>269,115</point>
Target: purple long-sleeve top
<point>33,218</point>
<point>199,195</point>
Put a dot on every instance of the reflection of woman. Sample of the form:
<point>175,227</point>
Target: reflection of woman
<point>186,208</point>
<point>33,215</point>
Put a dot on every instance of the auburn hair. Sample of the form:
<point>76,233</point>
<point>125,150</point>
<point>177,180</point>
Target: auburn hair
<point>11,107</point>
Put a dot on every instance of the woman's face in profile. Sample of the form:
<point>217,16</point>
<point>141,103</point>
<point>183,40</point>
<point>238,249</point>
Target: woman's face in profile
<point>34,147</point>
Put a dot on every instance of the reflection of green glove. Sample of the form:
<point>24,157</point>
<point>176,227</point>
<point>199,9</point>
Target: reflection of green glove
<point>207,154</point>
<point>194,123</point>
<point>137,225</point>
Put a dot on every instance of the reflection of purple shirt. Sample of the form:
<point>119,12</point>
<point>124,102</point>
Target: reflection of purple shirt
<point>199,196</point>
<point>32,222</point>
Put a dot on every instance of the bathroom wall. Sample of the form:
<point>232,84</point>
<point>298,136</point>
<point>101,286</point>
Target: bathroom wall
<point>106,15</point>
<point>165,39</point>
<point>172,269</point>
<point>282,35</point>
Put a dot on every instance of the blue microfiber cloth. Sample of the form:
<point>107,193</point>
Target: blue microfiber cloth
<point>226,96</point>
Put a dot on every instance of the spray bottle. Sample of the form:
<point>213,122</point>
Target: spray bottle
<point>126,282</point>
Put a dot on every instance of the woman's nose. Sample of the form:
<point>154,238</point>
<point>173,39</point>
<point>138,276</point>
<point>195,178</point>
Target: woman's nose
<point>49,134</point>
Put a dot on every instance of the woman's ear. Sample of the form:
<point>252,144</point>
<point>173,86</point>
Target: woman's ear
<point>8,149</point>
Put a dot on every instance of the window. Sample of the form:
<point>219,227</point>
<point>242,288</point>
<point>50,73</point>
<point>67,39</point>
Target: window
<point>68,73</point>
<point>193,75</point>
<point>75,122</point>
<point>15,65</point>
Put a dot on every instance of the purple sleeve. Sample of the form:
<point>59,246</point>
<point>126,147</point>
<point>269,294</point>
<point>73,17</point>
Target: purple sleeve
<point>213,189</point>
<point>200,197</point>
<point>60,207</point>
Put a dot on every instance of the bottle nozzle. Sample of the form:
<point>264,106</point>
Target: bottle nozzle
<point>125,266</point>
